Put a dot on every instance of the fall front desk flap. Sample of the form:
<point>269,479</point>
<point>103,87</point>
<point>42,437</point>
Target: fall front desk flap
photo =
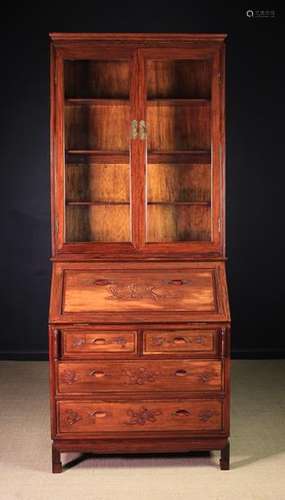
<point>180,291</point>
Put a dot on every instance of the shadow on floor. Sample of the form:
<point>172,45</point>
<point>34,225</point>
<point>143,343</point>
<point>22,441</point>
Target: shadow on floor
<point>138,460</point>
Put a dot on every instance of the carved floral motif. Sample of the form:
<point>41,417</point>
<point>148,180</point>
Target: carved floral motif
<point>205,415</point>
<point>69,377</point>
<point>122,341</point>
<point>206,377</point>
<point>71,417</point>
<point>199,340</point>
<point>157,290</point>
<point>141,376</point>
<point>77,342</point>
<point>136,291</point>
<point>158,341</point>
<point>142,416</point>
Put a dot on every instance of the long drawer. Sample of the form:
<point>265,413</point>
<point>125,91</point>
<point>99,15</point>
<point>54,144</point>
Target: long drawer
<point>146,415</point>
<point>140,375</point>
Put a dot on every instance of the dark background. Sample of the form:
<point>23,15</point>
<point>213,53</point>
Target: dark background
<point>255,161</point>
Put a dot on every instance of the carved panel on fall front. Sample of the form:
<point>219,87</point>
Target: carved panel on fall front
<point>133,376</point>
<point>91,417</point>
<point>91,291</point>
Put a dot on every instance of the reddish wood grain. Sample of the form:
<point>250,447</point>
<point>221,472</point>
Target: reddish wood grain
<point>94,139</point>
<point>139,376</point>
<point>138,315</point>
<point>139,292</point>
<point>93,417</point>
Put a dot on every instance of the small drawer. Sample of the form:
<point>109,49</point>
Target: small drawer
<point>90,417</point>
<point>139,376</point>
<point>193,342</point>
<point>90,343</point>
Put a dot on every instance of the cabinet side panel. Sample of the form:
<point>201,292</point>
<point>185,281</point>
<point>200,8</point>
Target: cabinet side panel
<point>52,148</point>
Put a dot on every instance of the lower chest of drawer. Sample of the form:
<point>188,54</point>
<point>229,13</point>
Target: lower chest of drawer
<point>90,417</point>
<point>139,375</point>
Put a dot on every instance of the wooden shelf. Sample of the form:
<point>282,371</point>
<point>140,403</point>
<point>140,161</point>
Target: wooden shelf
<point>125,102</point>
<point>175,157</point>
<point>96,156</point>
<point>95,152</point>
<point>202,203</point>
<point>177,102</point>
<point>201,156</point>
<point>96,101</point>
<point>87,203</point>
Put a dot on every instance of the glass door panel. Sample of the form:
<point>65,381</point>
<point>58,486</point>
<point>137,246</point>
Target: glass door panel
<point>179,79</point>
<point>97,159</point>
<point>178,126</point>
<point>179,178</point>
<point>95,79</point>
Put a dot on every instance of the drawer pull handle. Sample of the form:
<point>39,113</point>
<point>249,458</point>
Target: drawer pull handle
<point>181,373</point>
<point>102,282</point>
<point>99,341</point>
<point>97,374</point>
<point>98,414</point>
<point>181,413</point>
<point>134,129</point>
<point>179,282</point>
<point>180,340</point>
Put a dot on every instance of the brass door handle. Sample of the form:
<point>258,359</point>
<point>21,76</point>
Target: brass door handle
<point>142,130</point>
<point>138,129</point>
<point>134,129</point>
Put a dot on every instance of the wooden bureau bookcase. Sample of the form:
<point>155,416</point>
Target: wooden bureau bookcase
<point>139,323</point>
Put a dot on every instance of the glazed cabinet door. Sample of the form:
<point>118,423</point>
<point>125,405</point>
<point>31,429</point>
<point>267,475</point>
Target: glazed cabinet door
<point>94,109</point>
<point>182,128</point>
<point>137,150</point>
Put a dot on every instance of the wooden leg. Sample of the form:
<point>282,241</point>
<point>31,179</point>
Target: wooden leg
<point>225,457</point>
<point>56,463</point>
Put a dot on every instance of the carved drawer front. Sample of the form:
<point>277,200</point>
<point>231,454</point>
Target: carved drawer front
<point>167,375</point>
<point>187,415</point>
<point>89,343</point>
<point>197,342</point>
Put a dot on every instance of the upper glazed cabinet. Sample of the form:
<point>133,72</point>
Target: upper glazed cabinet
<point>138,148</point>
